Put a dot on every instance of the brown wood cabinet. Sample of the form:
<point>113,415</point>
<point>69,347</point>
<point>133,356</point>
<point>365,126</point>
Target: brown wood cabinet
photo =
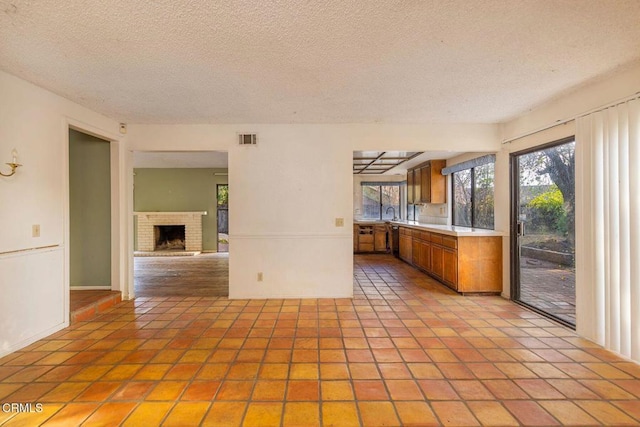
<point>417,185</point>
<point>410,185</point>
<point>380,238</point>
<point>426,184</point>
<point>468,264</point>
<point>405,245</point>
<point>369,238</point>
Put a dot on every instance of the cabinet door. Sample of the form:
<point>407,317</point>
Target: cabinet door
<point>417,185</point>
<point>410,185</point>
<point>438,182</point>
<point>415,252</point>
<point>380,239</point>
<point>425,184</point>
<point>450,267</point>
<point>405,248</point>
<point>436,261</point>
<point>425,255</point>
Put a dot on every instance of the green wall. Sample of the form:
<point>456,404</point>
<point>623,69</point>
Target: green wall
<point>89,210</point>
<point>179,190</point>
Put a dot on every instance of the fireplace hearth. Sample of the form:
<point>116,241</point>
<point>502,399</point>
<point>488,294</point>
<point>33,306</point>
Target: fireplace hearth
<point>169,237</point>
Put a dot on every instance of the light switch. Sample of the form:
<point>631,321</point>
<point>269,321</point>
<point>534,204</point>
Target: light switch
<point>35,230</point>
<point>339,222</point>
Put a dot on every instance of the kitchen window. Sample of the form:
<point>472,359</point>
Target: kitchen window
<point>381,201</point>
<point>473,196</point>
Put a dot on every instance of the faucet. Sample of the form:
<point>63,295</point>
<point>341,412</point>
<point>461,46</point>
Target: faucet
<point>395,218</point>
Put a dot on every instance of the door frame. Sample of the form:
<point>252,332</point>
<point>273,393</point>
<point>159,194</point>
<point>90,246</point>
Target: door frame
<point>514,258</point>
<point>118,248</point>
<point>218,217</point>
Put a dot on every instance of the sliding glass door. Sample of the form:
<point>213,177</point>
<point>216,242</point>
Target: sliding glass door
<point>543,232</point>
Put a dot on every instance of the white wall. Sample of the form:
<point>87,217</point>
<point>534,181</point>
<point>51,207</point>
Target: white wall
<point>33,269</point>
<point>286,192</point>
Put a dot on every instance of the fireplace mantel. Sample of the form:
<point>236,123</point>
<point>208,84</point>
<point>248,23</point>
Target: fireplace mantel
<point>170,213</point>
<point>192,222</point>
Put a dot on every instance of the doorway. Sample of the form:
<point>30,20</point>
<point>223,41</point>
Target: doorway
<point>176,216</point>
<point>222,197</point>
<point>543,229</point>
<point>90,226</point>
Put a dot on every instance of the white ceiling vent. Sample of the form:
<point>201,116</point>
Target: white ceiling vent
<point>247,138</point>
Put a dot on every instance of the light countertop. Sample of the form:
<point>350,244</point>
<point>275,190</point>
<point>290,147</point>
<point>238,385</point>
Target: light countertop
<point>450,230</point>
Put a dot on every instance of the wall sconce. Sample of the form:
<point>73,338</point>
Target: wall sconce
<point>14,163</point>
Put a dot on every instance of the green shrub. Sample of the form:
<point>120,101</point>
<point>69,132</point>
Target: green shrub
<point>548,209</point>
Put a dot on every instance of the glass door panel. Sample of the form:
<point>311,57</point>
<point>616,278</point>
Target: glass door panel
<point>543,218</point>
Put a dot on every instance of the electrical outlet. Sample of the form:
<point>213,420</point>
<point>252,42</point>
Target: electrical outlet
<point>260,277</point>
<point>441,211</point>
<point>35,230</point>
<point>339,222</point>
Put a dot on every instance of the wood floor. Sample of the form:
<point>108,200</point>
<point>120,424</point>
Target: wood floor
<point>199,275</point>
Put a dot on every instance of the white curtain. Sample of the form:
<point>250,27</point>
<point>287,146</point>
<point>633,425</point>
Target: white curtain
<point>608,228</point>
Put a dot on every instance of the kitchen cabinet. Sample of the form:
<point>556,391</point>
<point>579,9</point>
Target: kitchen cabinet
<point>405,245</point>
<point>426,184</point>
<point>417,185</point>
<point>466,264</point>
<point>380,238</point>
<point>436,261</point>
<point>415,251</point>
<point>369,237</point>
<point>410,185</point>
<point>450,267</point>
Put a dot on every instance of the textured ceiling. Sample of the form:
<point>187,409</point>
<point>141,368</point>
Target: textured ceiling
<point>288,61</point>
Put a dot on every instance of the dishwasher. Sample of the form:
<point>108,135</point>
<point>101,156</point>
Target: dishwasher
<point>395,240</point>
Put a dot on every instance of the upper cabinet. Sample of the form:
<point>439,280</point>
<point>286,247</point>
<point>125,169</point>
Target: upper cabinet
<point>410,185</point>
<point>426,184</point>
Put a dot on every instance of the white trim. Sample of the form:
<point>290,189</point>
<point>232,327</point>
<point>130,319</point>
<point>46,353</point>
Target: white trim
<point>28,341</point>
<point>567,120</point>
<point>114,140</point>
<point>29,251</point>
<point>91,288</point>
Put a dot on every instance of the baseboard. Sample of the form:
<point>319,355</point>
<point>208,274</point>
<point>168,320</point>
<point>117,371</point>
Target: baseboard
<point>90,288</point>
<point>22,344</point>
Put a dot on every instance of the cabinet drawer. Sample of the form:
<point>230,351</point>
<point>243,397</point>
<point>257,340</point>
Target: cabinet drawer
<point>365,247</point>
<point>436,238</point>
<point>450,242</point>
<point>365,238</point>
<point>405,231</point>
<point>425,235</point>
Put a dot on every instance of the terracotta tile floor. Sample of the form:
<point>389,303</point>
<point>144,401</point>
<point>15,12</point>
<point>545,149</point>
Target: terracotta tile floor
<point>405,350</point>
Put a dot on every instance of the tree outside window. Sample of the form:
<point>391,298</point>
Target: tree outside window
<point>377,199</point>
<point>473,197</point>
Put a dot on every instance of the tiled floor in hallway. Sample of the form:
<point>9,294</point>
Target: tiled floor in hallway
<point>405,350</point>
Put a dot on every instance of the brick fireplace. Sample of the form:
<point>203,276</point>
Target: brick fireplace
<point>192,222</point>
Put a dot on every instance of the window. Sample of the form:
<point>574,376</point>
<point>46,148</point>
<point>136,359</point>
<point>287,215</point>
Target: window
<point>381,201</point>
<point>473,197</point>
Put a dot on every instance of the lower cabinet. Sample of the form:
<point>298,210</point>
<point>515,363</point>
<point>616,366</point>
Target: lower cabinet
<point>465,264</point>
<point>369,238</point>
<point>436,261</point>
<point>450,268</point>
<point>405,245</point>
<point>380,238</point>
